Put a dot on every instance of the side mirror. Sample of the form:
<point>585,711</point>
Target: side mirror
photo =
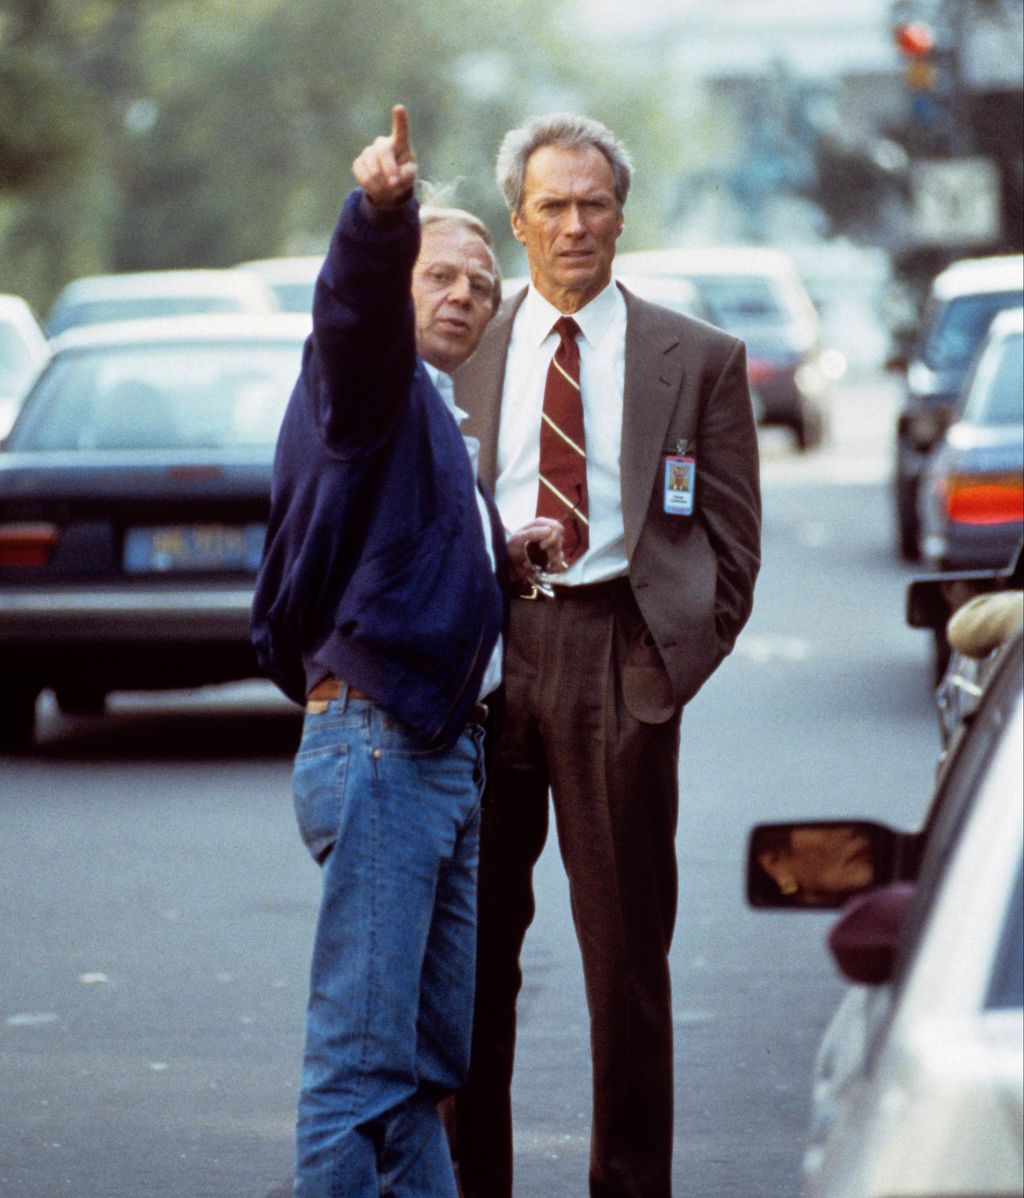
<point>931,600</point>
<point>928,603</point>
<point>821,865</point>
<point>866,937</point>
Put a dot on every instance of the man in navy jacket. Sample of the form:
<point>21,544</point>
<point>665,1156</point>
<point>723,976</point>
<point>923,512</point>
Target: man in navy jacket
<point>379,605</point>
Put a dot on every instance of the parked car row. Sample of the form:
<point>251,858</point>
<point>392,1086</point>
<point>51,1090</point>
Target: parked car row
<point>962,304</point>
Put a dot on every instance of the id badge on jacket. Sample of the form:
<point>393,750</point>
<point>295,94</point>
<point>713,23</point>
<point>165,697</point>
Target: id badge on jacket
<point>680,480</point>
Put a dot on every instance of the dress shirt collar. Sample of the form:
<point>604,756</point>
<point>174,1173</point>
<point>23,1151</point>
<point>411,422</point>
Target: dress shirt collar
<point>443,382</point>
<point>538,316</point>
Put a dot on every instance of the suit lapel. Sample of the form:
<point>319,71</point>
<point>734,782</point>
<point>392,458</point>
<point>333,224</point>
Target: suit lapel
<point>479,385</point>
<point>652,382</point>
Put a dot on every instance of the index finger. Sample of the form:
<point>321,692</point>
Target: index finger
<point>400,129</point>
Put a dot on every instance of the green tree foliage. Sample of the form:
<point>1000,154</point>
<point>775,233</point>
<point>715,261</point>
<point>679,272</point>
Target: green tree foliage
<point>140,134</point>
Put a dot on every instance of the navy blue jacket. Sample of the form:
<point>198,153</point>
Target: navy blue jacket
<point>375,569</point>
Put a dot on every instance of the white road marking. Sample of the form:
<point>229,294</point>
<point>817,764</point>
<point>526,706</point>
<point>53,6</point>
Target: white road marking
<point>32,1019</point>
<point>764,648</point>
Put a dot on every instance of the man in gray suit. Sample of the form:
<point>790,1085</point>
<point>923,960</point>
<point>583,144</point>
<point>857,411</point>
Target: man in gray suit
<point>634,426</point>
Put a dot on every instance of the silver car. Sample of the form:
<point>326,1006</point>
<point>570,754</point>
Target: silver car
<point>919,1081</point>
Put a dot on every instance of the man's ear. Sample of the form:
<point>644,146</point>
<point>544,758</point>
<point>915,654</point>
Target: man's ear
<point>517,227</point>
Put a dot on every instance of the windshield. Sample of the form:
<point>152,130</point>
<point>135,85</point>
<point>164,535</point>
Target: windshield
<point>996,394</point>
<point>956,329</point>
<point>743,301</point>
<point>180,396</point>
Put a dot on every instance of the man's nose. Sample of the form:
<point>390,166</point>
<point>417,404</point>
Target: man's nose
<point>574,225</point>
<point>460,292</point>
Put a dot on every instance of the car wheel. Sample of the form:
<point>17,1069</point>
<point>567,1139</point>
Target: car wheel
<point>907,527</point>
<point>17,718</point>
<point>809,429</point>
<point>77,698</point>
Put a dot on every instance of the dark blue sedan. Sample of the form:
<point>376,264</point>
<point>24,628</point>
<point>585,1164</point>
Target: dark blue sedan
<point>134,491</point>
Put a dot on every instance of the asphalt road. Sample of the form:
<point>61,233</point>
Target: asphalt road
<point>158,908</point>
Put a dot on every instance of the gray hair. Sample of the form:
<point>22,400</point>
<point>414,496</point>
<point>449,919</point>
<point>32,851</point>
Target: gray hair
<point>435,211</point>
<point>558,129</point>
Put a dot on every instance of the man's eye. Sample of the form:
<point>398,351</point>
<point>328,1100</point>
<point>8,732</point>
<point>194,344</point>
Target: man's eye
<point>439,276</point>
<point>480,288</point>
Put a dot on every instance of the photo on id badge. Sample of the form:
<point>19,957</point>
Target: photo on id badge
<point>680,478</point>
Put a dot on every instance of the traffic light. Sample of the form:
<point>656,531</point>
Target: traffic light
<point>916,41</point>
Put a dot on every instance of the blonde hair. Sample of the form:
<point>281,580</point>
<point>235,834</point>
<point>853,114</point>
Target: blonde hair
<point>436,209</point>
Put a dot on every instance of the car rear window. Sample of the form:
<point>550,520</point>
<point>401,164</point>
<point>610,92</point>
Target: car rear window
<point>953,331</point>
<point>742,301</point>
<point>996,394</point>
<point>180,396</point>
<point>144,308</point>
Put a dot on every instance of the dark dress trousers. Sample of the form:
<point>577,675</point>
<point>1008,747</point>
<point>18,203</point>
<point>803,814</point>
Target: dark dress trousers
<point>596,680</point>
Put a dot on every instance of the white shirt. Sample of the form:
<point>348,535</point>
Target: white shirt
<point>602,345</point>
<point>443,382</point>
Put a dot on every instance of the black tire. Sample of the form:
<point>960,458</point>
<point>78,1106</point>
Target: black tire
<point>17,719</point>
<point>908,548</point>
<point>809,429</point>
<point>907,528</point>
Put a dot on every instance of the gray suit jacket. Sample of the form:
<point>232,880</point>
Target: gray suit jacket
<point>692,576</point>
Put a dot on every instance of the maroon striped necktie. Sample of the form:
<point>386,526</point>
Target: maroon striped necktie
<point>562,490</point>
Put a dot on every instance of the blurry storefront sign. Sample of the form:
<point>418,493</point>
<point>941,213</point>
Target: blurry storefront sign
<point>956,202</point>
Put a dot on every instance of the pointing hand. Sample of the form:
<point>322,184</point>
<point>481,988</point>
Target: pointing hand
<point>386,169</point>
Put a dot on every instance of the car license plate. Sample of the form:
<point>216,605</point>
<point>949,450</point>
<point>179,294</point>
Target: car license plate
<point>174,548</point>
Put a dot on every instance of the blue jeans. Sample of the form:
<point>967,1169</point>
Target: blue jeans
<point>395,824</point>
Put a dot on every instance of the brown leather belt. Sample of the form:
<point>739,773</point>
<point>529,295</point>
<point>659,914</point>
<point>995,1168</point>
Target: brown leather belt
<point>610,588</point>
<point>330,688</point>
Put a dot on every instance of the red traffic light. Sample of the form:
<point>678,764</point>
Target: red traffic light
<point>915,39</point>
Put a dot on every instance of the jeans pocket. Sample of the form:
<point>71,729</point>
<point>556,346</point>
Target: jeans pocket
<point>318,788</point>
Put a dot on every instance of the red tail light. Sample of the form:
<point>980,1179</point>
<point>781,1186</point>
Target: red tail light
<point>27,543</point>
<point>760,371</point>
<point>985,499</point>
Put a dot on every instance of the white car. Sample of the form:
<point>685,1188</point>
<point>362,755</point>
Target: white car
<point>141,295</point>
<point>292,280</point>
<point>919,1081</point>
<point>757,294</point>
<point>23,354</point>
